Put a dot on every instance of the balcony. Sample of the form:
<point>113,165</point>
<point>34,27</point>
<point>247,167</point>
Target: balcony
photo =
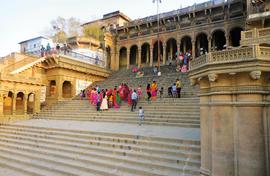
<point>235,56</point>
<point>255,36</point>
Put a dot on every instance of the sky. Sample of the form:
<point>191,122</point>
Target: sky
<point>25,19</point>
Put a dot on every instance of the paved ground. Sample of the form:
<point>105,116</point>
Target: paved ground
<point>133,129</point>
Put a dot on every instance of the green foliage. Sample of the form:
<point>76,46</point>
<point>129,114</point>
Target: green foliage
<point>94,31</point>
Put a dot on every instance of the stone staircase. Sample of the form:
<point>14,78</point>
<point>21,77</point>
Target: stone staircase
<point>41,151</point>
<point>167,78</point>
<point>72,139</point>
<point>183,112</point>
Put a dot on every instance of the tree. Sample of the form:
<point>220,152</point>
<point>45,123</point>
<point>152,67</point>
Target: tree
<point>62,28</point>
<point>93,30</point>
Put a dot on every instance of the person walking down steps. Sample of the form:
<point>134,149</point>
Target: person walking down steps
<point>141,115</point>
<point>134,98</point>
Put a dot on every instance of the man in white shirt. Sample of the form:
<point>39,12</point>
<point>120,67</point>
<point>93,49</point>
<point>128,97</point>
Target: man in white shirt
<point>134,98</point>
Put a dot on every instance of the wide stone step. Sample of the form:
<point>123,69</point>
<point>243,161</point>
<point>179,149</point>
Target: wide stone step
<point>76,144</point>
<point>118,135</point>
<point>96,136</point>
<point>115,115</point>
<point>128,166</point>
<point>92,149</point>
<point>129,122</point>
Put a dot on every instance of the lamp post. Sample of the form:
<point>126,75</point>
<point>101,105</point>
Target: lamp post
<point>158,1</point>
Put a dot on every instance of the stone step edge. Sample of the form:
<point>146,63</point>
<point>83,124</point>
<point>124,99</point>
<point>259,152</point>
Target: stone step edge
<point>53,159</point>
<point>108,146</point>
<point>109,134</point>
<point>100,138</point>
<point>160,166</point>
<point>183,125</point>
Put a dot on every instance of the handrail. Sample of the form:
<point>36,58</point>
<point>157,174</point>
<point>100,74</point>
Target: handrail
<point>254,52</point>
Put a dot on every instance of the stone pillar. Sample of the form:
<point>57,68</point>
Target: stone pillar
<point>128,58</point>
<point>1,104</point>
<point>37,102</point>
<point>25,103</point>
<point>164,55</point>
<point>139,58</point>
<point>14,103</point>
<point>179,46</point>
<point>193,48</point>
<point>151,57</point>
<point>227,41</point>
<point>234,121</point>
<point>116,62</point>
<point>147,56</point>
<point>209,44</point>
<point>59,88</point>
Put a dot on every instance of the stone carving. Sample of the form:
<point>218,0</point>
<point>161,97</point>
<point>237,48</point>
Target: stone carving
<point>212,77</point>
<point>255,74</point>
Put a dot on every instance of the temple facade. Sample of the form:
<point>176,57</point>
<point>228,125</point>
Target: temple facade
<point>213,25</point>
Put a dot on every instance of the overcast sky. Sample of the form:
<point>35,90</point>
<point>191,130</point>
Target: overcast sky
<point>24,19</point>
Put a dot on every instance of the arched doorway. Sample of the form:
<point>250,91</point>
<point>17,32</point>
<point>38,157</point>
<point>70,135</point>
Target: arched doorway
<point>8,103</point>
<point>155,51</point>
<point>20,103</point>
<point>201,44</point>
<point>145,53</point>
<point>186,44</point>
<point>171,48</point>
<point>235,36</point>
<point>66,89</point>
<point>30,103</point>
<point>133,55</point>
<point>218,40</point>
<point>123,57</point>
<point>108,54</point>
<point>52,88</point>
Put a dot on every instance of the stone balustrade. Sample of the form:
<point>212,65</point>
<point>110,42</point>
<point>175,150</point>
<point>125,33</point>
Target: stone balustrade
<point>255,36</point>
<point>229,56</point>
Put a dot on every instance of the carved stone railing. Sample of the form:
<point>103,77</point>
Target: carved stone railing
<point>199,61</point>
<point>255,36</point>
<point>231,56</point>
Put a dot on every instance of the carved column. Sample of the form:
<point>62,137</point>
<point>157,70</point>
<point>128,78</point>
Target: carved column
<point>116,62</point>
<point>151,57</point>
<point>193,49</point>
<point>164,55</point>
<point>14,103</point>
<point>1,103</point>
<point>209,44</point>
<point>37,102</point>
<point>227,40</point>
<point>25,97</point>
<point>139,58</point>
<point>59,88</point>
<point>128,58</point>
<point>179,46</point>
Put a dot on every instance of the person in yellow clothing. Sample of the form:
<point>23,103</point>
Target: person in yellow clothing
<point>154,87</point>
<point>178,87</point>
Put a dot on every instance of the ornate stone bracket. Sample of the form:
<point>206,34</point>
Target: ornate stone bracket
<point>212,77</point>
<point>255,75</point>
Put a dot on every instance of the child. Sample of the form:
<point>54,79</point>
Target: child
<point>141,115</point>
<point>174,90</point>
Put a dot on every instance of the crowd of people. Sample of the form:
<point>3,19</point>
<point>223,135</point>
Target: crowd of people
<point>104,99</point>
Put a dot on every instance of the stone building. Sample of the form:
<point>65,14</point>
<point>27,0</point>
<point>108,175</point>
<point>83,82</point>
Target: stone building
<point>29,81</point>
<point>212,25</point>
